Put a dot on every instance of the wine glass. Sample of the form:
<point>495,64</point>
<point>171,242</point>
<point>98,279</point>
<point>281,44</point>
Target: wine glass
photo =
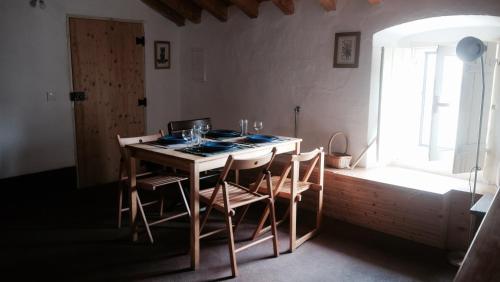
<point>187,135</point>
<point>204,129</point>
<point>244,127</point>
<point>258,125</point>
<point>197,134</point>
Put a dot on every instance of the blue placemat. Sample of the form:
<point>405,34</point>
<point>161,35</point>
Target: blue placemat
<point>221,134</point>
<point>204,152</point>
<point>262,140</point>
<point>171,140</point>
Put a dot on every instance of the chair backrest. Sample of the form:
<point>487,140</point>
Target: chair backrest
<point>314,158</point>
<point>264,161</point>
<point>122,142</point>
<point>179,125</point>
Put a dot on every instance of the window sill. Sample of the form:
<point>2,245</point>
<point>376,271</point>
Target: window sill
<point>412,179</point>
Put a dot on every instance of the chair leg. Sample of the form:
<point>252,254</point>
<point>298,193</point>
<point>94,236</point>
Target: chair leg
<point>184,198</point>
<point>162,202</point>
<point>120,204</point>
<point>240,218</point>
<point>319,212</point>
<point>274,230</point>
<point>204,221</point>
<point>293,225</point>
<point>262,221</point>
<point>232,253</point>
<point>143,215</point>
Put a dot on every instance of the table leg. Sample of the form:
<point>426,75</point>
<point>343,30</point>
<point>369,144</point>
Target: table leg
<point>132,198</point>
<point>194,177</point>
<point>293,206</point>
<point>293,203</point>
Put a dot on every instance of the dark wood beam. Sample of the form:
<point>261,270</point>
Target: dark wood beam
<point>249,7</point>
<point>287,6</point>
<point>215,7</point>
<point>166,11</point>
<point>329,5</point>
<point>187,9</point>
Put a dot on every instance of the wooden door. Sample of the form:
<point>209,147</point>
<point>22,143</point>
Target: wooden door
<point>108,65</point>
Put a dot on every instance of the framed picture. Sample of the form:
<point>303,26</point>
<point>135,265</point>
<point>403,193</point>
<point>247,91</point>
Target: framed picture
<point>162,54</point>
<point>346,51</point>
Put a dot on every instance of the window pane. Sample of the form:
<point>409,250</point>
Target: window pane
<point>449,98</point>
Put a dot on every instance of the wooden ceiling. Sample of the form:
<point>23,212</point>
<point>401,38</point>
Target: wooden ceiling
<point>179,10</point>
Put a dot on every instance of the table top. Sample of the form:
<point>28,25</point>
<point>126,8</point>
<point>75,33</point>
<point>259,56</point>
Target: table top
<point>198,159</point>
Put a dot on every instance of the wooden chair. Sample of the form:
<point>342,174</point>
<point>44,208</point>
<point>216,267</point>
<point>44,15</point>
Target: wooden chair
<point>283,190</point>
<point>147,181</point>
<point>179,125</point>
<point>225,197</point>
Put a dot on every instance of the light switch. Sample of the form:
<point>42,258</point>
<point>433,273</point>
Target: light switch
<point>51,96</point>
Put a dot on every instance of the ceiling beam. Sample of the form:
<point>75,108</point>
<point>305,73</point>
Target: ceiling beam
<point>187,9</point>
<point>329,5</point>
<point>166,11</point>
<point>215,7</point>
<point>249,7</point>
<point>286,6</point>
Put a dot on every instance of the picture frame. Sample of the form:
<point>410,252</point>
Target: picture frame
<point>162,54</point>
<point>346,49</point>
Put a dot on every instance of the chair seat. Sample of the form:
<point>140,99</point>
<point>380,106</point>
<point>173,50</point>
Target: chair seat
<point>286,189</point>
<point>213,173</point>
<point>238,196</point>
<point>154,182</point>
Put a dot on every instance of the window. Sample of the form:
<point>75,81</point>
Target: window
<point>421,107</point>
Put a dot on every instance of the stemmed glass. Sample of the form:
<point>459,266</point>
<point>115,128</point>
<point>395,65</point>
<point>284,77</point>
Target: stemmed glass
<point>187,135</point>
<point>258,125</point>
<point>204,129</point>
<point>197,134</point>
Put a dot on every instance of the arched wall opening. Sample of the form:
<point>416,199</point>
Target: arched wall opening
<point>441,33</point>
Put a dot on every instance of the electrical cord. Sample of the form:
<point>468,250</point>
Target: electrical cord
<point>472,200</point>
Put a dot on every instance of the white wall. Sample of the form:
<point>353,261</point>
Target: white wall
<point>34,58</point>
<point>262,68</point>
<point>256,68</point>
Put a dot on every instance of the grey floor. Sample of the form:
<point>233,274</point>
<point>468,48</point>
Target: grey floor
<point>72,236</point>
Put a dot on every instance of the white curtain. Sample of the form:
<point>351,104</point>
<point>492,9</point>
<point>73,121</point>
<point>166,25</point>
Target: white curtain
<point>400,92</point>
<point>492,160</point>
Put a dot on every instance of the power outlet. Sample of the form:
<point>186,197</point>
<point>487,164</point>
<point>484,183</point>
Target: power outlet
<point>51,96</point>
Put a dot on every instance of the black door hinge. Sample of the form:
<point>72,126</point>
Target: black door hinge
<point>140,40</point>
<point>142,102</point>
<point>77,96</point>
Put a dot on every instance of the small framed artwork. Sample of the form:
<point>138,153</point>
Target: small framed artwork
<point>346,50</point>
<point>162,54</point>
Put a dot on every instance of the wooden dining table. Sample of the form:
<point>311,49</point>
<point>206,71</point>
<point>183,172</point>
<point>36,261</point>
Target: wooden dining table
<point>194,164</point>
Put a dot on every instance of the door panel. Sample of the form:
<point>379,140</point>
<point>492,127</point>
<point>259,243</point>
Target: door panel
<point>108,66</point>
